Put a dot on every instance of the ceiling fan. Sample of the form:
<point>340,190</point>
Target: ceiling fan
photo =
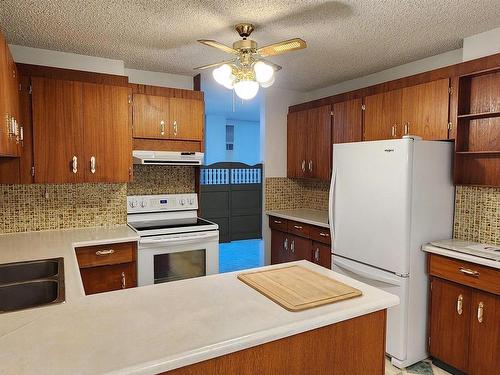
<point>248,70</point>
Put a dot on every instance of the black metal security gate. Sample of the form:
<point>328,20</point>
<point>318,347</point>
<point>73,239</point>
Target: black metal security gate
<point>231,196</point>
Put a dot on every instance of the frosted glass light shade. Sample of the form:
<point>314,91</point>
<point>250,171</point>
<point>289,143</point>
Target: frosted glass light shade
<point>222,74</point>
<point>246,90</point>
<point>268,83</point>
<point>263,72</point>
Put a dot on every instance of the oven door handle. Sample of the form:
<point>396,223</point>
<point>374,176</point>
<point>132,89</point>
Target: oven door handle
<point>178,240</point>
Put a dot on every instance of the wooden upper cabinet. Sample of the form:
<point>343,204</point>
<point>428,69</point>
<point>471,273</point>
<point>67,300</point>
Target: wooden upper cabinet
<point>296,144</point>
<point>450,321</point>
<point>347,124</point>
<point>107,155</point>
<point>186,119</point>
<point>382,116</point>
<point>425,110</point>
<point>57,130</point>
<point>319,148</point>
<point>151,116</point>
<point>485,334</point>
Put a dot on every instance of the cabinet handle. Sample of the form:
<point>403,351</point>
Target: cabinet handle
<point>285,244</point>
<point>162,127</point>
<point>124,281</point>
<point>407,128</point>
<point>277,221</point>
<point>297,227</point>
<point>460,302</point>
<point>324,234</point>
<point>21,134</point>
<point>316,255</point>
<point>292,246</point>
<point>175,128</point>
<point>74,164</point>
<point>480,312</point>
<point>92,164</point>
<point>393,131</point>
<point>303,165</point>
<point>104,252</point>
<point>469,272</point>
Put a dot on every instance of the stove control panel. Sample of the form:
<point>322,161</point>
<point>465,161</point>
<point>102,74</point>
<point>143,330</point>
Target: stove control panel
<point>162,203</point>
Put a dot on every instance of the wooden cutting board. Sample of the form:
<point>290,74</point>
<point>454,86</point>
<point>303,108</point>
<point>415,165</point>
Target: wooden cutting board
<point>297,288</point>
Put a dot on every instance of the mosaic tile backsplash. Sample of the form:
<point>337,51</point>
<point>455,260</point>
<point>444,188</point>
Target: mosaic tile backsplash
<point>477,214</point>
<point>41,207</point>
<point>477,209</point>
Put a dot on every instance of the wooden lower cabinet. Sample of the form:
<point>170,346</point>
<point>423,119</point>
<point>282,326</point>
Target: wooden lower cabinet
<point>109,267</point>
<point>464,329</point>
<point>292,241</point>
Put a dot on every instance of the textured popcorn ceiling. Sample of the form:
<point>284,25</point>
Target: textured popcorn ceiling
<point>346,39</point>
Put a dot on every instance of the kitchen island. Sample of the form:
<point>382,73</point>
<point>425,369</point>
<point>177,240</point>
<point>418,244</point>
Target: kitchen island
<point>207,325</point>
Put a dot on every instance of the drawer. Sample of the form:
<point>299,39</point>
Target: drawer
<point>298,228</point>
<point>466,273</point>
<point>320,234</point>
<point>108,278</point>
<point>278,223</point>
<point>102,255</point>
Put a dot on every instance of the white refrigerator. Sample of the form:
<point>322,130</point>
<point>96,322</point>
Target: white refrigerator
<point>387,199</point>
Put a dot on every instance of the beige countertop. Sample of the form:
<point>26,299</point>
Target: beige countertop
<point>304,215</point>
<point>429,248</point>
<point>154,328</point>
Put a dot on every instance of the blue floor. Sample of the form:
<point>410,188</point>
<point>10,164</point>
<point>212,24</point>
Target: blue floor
<point>241,255</point>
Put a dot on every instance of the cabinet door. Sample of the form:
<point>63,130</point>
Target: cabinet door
<point>485,334</point>
<point>450,322</point>
<point>186,119</point>
<point>300,248</point>
<point>322,254</point>
<point>425,110</point>
<point>150,116</point>
<point>279,247</point>
<point>347,122</point>
<point>57,131</point>
<point>382,116</point>
<point>319,148</point>
<point>296,144</point>
<point>108,278</point>
<point>107,133</point>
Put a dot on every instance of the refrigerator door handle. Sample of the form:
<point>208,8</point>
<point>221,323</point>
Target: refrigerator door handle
<point>331,202</point>
<point>343,265</point>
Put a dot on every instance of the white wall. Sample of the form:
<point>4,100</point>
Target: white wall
<point>480,45</point>
<point>57,59</point>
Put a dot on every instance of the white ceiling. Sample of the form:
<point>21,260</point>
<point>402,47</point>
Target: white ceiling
<point>346,39</point>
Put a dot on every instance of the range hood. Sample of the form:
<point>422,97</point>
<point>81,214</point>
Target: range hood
<point>167,157</point>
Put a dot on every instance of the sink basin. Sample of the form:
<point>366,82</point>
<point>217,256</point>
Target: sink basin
<point>26,271</point>
<point>25,285</point>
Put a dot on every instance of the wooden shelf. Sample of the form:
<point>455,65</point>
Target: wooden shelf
<point>478,153</point>
<point>475,116</point>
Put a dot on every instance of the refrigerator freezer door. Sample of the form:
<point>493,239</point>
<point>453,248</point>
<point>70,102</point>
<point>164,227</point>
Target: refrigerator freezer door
<point>396,340</point>
<point>370,204</point>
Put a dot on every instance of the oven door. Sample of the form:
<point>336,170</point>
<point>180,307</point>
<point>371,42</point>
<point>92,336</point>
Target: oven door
<point>175,257</point>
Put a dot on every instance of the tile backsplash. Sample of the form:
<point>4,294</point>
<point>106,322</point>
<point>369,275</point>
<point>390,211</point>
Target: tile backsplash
<point>60,206</point>
<point>286,193</point>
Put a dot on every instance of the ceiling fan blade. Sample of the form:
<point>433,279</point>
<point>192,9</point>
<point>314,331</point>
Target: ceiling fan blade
<point>282,47</point>
<point>215,44</point>
<point>276,67</point>
<point>213,65</point>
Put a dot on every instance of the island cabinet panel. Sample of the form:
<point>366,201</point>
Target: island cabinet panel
<point>347,124</point>
<point>382,116</point>
<point>81,132</point>
<point>354,346</point>
<point>151,116</point>
<point>464,320</point>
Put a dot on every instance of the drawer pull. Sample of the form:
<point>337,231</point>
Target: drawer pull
<point>469,272</point>
<point>480,312</point>
<point>277,221</point>
<point>104,252</point>
<point>297,226</point>
<point>124,281</point>
<point>324,234</point>
<point>460,302</point>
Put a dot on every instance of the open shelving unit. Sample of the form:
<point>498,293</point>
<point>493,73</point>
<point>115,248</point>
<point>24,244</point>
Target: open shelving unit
<point>477,143</point>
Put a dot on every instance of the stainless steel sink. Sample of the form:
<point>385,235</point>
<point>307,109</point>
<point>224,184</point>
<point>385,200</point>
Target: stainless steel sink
<point>31,284</point>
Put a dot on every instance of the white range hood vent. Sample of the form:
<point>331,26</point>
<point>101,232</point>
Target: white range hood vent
<point>167,157</point>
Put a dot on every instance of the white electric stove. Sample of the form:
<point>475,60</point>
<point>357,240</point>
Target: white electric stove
<point>174,243</point>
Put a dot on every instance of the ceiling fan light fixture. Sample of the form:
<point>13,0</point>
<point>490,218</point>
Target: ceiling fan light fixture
<point>263,72</point>
<point>246,89</point>
<point>222,74</point>
<point>267,83</point>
